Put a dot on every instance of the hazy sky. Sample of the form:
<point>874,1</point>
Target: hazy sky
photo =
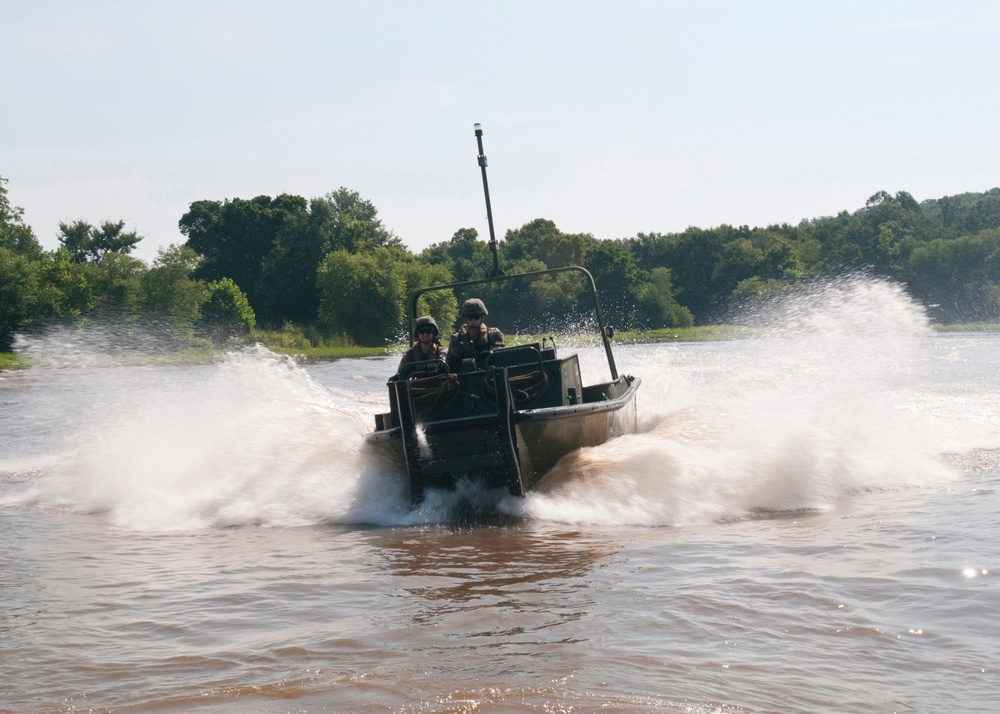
<point>610,118</point>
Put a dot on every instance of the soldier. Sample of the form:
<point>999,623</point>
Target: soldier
<point>474,339</point>
<point>427,349</point>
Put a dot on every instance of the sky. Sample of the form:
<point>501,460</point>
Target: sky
<point>608,118</point>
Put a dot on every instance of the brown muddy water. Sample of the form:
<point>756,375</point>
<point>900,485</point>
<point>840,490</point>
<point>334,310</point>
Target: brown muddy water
<point>807,522</point>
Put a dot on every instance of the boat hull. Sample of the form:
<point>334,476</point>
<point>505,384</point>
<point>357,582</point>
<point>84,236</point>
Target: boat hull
<point>514,456</point>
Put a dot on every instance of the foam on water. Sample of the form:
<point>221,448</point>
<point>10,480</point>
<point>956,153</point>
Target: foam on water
<point>805,413</point>
<point>254,440</point>
<point>812,409</point>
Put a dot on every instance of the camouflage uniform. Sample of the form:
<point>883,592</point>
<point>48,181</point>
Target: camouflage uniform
<point>465,344</point>
<point>417,354</point>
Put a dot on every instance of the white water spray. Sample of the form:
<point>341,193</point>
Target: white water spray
<point>804,413</point>
<point>814,408</point>
<point>250,440</point>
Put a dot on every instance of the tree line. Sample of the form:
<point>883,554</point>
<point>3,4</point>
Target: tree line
<point>329,265</point>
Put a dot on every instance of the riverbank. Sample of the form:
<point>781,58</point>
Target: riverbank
<point>303,351</point>
<point>701,333</point>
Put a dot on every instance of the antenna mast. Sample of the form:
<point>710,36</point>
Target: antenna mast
<point>489,210</point>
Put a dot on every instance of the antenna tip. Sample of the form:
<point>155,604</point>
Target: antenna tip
<point>478,127</point>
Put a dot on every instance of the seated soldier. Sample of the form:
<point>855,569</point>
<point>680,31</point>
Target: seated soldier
<point>474,339</point>
<point>426,350</point>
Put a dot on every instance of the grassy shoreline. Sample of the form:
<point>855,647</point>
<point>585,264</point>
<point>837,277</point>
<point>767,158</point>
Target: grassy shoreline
<point>301,352</point>
<point>969,327</point>
<point>681,334</point>
<point>701,333</point>
<point>9,360</point>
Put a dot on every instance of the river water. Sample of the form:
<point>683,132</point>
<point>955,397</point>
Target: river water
<point>808,521</point>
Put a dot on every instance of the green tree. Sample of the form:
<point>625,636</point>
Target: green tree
<point>949,209</point>
<point>117,283</point>
<point>542,303</point>
<point>958,276</point>
<point>19,294</point>
<point>983,214</point>
<point>785,251</point>
<point>554,299</point>
<point>353,223</point>
<point>537,304</point>
<point>70,283</point>
<point>227,311</point>
<point>23,295</point>
<point>757,290</point>
<point>361,294</point>
<point>648,250</point>
<point>235,236</point>
<point>465,256</point>
<point>657,306</point>
<point>90,244</point>
<point>835,251</point>
<point>738,260</point>
<point>15,235</point>
<point>618,279</point>
<point>876,234</point>
<point>273,247</point>
<point>692,257</point>
<point>169,286</point>
<point>288,272</point>
<point>441,304</point>
<point>541,240</point>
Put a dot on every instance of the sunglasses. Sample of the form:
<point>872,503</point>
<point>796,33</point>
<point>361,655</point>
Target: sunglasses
<point>425,329</point>
<point>477,316</point>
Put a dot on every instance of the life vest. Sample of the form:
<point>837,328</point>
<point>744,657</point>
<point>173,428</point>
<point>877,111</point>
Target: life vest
<point>469,344</point>
<point>415,354</point>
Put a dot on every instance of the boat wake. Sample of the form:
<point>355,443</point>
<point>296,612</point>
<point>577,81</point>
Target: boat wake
<point>828,399</point>
<point>250,440</point>
<point>818,405</point>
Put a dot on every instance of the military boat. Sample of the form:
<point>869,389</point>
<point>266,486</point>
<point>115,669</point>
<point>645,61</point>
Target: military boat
<point>502,422</point>
<point>506,422</point>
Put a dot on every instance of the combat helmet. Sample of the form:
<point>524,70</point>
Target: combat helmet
<point>474,306</point>
<point>425,321</point>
